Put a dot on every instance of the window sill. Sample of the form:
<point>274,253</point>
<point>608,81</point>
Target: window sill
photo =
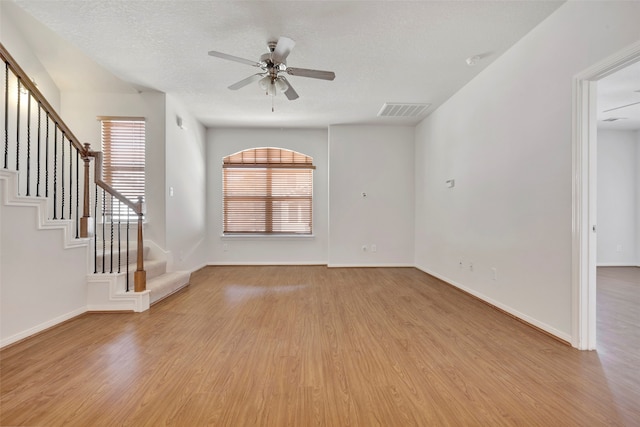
<point>260,236</point>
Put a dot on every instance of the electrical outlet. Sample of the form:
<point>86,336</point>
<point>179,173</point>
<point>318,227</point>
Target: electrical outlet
<point>374,248</point>
<point>225,247</point>
<point>460,265</point>
<point>494,271</point>
<point>619,248</point>
<point>470,266</point>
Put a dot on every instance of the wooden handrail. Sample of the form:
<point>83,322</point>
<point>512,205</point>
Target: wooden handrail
<point>31,86</point>
<point>86,228</point>
<point>97,177</point>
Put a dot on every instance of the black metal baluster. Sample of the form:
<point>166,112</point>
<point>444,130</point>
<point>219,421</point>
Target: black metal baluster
<point>127,251</point>
<point>46,160</point>
<point>104,242</point>
<point>18,132</point>
<point>119,236</point>
<point>70,180</point>
<point>6,115</point>
<point>95,237</point>
<point>39,140</point>
<point>77,194</point>
<point>55,170</point>
<point>111,242</point>
<point>29,145</point>
<point>62,176</point>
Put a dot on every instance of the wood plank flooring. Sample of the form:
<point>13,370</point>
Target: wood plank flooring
<point>312,346</point>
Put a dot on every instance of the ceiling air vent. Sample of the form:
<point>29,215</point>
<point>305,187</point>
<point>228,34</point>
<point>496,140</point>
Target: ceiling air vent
<point>402,110</point>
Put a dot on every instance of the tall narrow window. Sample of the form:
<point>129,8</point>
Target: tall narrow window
<point>268,191</point>
<point>123,147</point>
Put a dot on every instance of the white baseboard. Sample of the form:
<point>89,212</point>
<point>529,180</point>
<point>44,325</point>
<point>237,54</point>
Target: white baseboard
<point>249,263</point>
<point>543,326</point>
<point>400,265</point>
<point>617,264</point>
<point>41,327</point>
<point>199,267</point>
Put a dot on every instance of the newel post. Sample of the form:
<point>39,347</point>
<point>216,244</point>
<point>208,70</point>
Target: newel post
<point>140,276</point>
<point>86,222</point>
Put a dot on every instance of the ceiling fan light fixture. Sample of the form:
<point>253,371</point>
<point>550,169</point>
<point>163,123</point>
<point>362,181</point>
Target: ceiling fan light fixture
<point>281,85</point>
<point>272,63</point>
<point>267,85</point>
<point>264,83</point>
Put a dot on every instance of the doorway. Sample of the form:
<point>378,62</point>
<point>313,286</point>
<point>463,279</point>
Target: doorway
<point>584,228</point>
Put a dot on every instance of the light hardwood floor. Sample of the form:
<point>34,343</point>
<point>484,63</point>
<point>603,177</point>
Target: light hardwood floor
<point>312,346</point>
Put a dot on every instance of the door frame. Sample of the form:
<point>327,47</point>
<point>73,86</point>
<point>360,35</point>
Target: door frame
<point>584,186</point>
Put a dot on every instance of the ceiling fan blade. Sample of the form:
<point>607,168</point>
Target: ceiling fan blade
<point>290,93</point>
<point>282,50</point>
<point>234,58</point>
<point>244,82</point>
<point>314,74</point>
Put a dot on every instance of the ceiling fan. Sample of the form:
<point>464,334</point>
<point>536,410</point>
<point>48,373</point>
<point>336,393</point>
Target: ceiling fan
<point>272,64</point>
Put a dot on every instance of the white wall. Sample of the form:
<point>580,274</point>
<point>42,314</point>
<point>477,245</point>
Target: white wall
<point>617,204</point>
<point>506,140</point>
<point>80,111</point>
<point>638,199</point>
<point>41,283</point>
<point>378,161</point>
<point>266,250</point>
<point>14,41</point>
<point>186,176</point>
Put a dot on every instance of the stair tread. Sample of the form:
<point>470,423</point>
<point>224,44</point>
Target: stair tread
<point>162,286</point>
<point>167,277</point>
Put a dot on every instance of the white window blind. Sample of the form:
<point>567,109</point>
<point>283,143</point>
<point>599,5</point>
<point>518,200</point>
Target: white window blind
<point>123,147</point>
<point>268,191</point>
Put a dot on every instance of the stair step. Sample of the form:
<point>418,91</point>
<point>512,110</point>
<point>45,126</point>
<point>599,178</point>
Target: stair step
<point>133,253</point>
<point>162,286</point>
<point>153,267</point>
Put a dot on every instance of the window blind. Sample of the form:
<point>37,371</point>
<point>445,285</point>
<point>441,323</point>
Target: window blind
<point>268,191</point>
<point>123,147</point>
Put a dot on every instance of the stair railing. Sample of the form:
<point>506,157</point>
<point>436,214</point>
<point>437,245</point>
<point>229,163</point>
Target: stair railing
<point>46,156</point>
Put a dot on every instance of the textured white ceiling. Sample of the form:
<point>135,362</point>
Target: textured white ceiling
<point>381,51</point>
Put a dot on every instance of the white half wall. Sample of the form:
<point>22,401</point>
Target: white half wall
<point>506,140</point>
<point>186,188</point>
<point>617,219</point>
<point>261,249</point>
<point>376,229</point>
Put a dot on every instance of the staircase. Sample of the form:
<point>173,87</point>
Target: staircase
<point>46,169</point>
<point>108,291</point>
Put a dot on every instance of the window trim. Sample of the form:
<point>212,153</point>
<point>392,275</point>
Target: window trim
<point>122,212</point>
<point>293,161</point>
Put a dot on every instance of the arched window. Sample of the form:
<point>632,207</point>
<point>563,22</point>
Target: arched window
<point>267,191</point>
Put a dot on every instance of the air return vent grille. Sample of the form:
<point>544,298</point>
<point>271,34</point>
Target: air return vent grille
<point>402,110</point>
